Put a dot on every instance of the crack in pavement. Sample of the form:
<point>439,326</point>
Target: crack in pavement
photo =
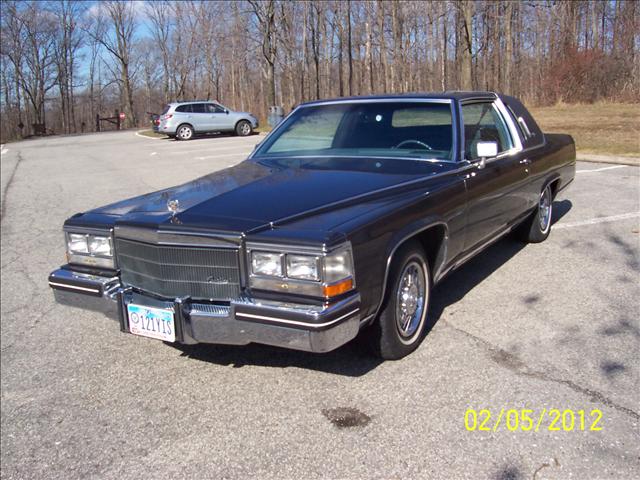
<point>9,183</point>
<point>517,366</point>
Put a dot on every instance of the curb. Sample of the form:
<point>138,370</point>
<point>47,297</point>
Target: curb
<point>630,161</point>
<point>138,134</point>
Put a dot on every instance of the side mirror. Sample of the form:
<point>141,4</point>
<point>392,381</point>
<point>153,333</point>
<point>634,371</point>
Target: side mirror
<point>226,111</point>
<point>486,149</point>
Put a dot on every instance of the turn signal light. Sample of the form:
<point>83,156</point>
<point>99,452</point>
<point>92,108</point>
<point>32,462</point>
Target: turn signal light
<point>338,288</point>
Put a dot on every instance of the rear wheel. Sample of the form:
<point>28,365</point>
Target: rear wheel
<point>400,327</point>
<point>243,128</point>
<point>184,132</point>
<point>537,227</point>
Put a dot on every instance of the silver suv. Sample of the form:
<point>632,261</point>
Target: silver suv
<point>183,120</point>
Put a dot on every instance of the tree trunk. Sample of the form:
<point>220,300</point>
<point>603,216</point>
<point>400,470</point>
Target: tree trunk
<point>383,47</point>
<point>466,37</point>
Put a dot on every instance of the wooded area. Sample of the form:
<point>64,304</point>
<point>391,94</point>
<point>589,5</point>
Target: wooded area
<point>65,61</point>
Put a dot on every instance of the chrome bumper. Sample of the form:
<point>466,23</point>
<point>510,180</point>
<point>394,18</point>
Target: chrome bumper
<point>312,328</point>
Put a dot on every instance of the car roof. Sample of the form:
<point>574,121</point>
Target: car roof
<point>448,95</point>
<point>173,104</point>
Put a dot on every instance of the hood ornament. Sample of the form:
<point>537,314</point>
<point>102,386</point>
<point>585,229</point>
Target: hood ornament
<point>172,206</point>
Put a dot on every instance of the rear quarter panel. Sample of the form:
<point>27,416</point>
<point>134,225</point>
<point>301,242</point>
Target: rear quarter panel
<point>554,161</point>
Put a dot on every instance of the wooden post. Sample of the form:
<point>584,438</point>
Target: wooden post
<point>97,122</point>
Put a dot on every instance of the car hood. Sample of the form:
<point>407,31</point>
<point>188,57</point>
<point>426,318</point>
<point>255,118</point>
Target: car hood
<point>252,195</point>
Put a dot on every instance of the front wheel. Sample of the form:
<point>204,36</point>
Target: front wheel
<point>537,227</point>
<point>400,327</point>
<point>243,128</point>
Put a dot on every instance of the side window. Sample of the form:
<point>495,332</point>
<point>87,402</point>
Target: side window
<point>198,108</point>
<point>184,109</point>
<point>213,108</point>
<point>483,123</point>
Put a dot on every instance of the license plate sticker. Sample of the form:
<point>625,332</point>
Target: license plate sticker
<point>151,322</point>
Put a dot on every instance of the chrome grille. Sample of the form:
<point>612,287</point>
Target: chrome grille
<point>168,271</point>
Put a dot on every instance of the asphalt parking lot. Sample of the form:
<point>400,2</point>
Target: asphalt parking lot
<point>554,325</point>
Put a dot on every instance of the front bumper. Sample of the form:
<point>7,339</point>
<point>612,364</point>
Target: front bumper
<point>312,328</point>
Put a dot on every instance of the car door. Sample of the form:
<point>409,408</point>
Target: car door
<point>219,117</point>
<point>201,119</point>
<point>496,187</point>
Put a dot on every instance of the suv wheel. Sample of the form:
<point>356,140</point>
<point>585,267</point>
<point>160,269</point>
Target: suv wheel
<point>184,132</point>
<point>243,128</point>
<point>400,327</point>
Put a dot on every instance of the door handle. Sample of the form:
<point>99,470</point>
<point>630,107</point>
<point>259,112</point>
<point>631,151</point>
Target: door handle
<point>526,161</point>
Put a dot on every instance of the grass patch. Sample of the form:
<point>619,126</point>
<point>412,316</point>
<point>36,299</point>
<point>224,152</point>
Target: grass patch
<point>599,128</point>
<point>151,133</point>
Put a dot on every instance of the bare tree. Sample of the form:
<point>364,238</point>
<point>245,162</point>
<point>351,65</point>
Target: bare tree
<point>465,45</point>
<point>68,42</point>
<point>28,42</point>
<point>114,31</point>
<point>265,16</point>
<point>252,54</point>
<point>161,28</point>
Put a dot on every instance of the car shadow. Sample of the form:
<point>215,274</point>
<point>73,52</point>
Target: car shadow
<point>352,359</point>
<point>456,285</point>
<point>205,136</point>
<point>560,209</point>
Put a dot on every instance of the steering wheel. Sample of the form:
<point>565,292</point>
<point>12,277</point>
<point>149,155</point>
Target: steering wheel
<point>417,142</point>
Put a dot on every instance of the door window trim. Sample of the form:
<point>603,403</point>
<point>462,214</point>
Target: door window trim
<point>501,109</point>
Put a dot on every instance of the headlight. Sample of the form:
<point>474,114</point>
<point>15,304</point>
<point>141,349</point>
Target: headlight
<point>100,245</point>
<point>302,271</point>
<point>304,267</point>
<point>77,243</point>
<point>89,249</point>
<point>266,263</point>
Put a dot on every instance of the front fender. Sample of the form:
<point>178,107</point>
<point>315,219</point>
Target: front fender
<point>415,230</point>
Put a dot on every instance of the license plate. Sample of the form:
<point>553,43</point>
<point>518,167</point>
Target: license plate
<point>151,322</point>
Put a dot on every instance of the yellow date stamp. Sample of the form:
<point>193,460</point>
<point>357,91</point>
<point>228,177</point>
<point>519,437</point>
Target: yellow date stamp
<point>529,420</point>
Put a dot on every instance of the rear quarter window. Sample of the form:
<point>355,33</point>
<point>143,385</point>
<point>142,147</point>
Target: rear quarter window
<point>528,128</point>
<point>184,109</point>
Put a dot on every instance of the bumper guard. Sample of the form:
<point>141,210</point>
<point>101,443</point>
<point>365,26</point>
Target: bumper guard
<point>312,328</point>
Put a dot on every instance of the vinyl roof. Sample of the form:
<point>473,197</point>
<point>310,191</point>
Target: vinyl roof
<point>450,95</point>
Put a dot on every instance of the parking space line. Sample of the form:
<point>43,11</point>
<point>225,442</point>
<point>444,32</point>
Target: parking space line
<point>601,169</point>
<point>597,220</point>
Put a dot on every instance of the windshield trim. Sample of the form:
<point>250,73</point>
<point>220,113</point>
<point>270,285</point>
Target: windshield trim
<point>454,121</point>
<point>375,157</point>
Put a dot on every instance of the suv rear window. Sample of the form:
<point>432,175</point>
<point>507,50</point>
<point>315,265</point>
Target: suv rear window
<point>184,108</point>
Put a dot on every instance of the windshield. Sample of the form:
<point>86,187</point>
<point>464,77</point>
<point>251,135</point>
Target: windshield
<point>408,130</point>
